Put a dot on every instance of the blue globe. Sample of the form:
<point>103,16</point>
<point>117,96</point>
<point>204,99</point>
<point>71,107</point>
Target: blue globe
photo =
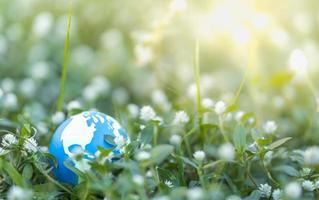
<point>85,132</point>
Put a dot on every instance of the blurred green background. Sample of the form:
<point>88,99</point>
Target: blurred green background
<point>141,52</point>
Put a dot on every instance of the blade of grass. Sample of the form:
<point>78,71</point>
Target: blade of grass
<point>198,92</point>
<point>65,62</point>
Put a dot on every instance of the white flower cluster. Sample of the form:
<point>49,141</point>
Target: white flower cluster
<point>226,152</point>
<point>8,140</point>
<point>57,117</point>
<point>147,114</point>
<point>160,99</point>
<point>311,155</point>
<point>293,190</point>
<point>18,193</point>
<point>220,107</point>
<point>270,127</point>
<point>143,155</point>
<point>175,139</point>
<point>181,118</point>
<point>30,145</point>
<point>75,104</point>
<point>199,155</point>
<point>98,86</point>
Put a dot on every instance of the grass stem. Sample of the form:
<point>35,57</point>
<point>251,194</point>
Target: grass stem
<point>65,63</point>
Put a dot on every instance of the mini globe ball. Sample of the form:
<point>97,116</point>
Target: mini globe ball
<point>86,132</point>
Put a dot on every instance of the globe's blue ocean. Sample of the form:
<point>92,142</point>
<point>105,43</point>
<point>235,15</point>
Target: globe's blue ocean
<point>85,132</point>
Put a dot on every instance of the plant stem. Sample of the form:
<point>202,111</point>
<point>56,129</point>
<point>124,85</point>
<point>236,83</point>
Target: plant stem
<point>222,130</point>
<point>198,92</point>
<point>65,63</point>
<point>155,138</point>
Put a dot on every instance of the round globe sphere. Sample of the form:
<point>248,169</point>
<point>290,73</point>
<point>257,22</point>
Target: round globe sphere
<point>84,133</point>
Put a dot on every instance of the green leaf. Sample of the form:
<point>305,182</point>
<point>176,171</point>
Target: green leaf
<point>278,143</point>
<point>25,132</point>
<point>13,173</point>
<point>263,141</point>
<point>232,108</point>
<point>104,152</point>
<point>189,162</point>
<point>51,159</point>
<point>239,138</point>
<point>82,190</point>
<point>27,172</point>
<point>147,134</point>
<point>289,170</point>
<point>161,152</point>
<point>209,126</point>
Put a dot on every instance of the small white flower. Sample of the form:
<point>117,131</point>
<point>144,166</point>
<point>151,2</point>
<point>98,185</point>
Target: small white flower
<point>8,140</point>
<point>195,193</point>
<point>181,118</point>
<point>317,184</point>
<point>239,115</point>
<point>220,107</point>
<point>178,5</point>
<point>199,155</point>
<point>147,113</point>
<point>7,85</point>
<point>251,120</point>
<point>142,126</point>
<point>270,127</point>
<point>30,145</point>
<point>175,139</point>
<point>308,185</point>
<point>138,179</point>
<point>293,190</point>
<point>265,190</point>
<point>226,152</point>
<point>57,117</point>
<point>18,193</point>
<point>72,105</point>
<point>149,174</point>
<point>99,85</point>
<point>143,155</point>
<point>277,194</point>
<point>298,62</point>
<point>144,54</point>
<point>208,103</point>
<point>120,95</point>
<point>42,128</point>
<point>159,98</point>
<point>133,110</point>
<point>27,87</point>
<point>42,24</point>
<point>311,155</point>
<point>305,171</point>
<point>168,183</point>
<point>40,70</point>
<point>10,100</point>
<point>233,197</point>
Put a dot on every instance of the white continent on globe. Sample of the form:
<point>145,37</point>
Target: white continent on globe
<point>77,132</point>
